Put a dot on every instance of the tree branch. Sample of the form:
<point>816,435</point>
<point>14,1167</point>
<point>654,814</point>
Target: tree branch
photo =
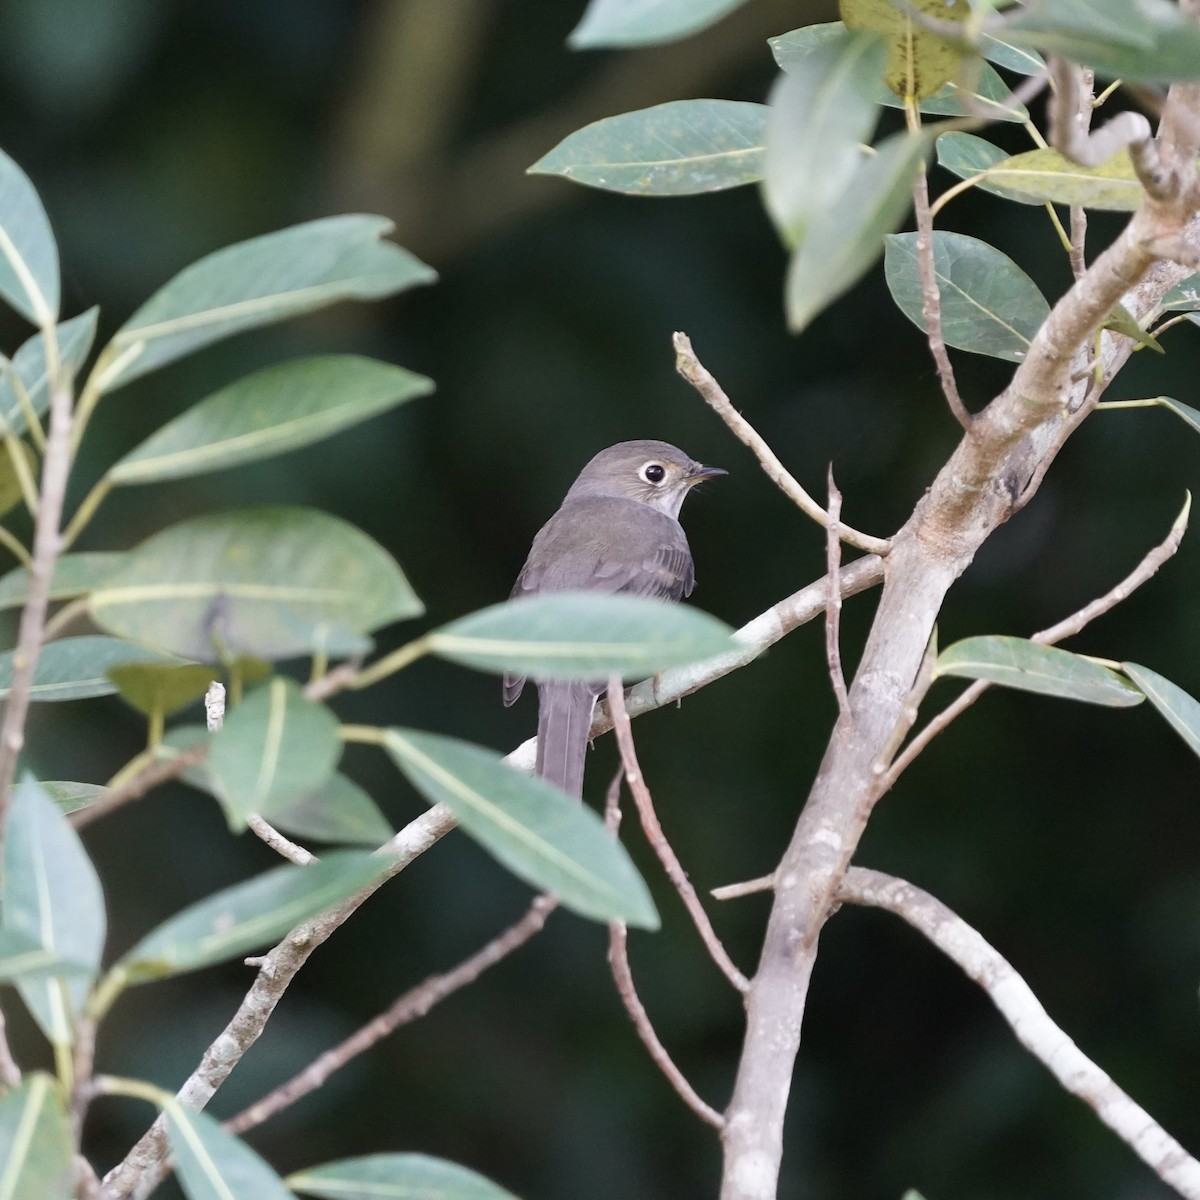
<point>1029,1022</point>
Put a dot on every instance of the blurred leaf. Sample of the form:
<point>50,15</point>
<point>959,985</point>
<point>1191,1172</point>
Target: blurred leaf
<point>74,341</point>
<point>1184,297</point>
<point>214,1165</point>
<point>160,688</point>
<point>1180,710</point>
<point>1151,40</point>
<point>582,635</point>
<point>28,255</point>
<point>336,811</point>
<point>244,917</point>
<point>988,92</point>
<point>969,156</point>
<point>262,581</point>
<point>1183,411</point>
<point>258,282</point>
<point>644,22</point>
<point>10,482</point>
<point>71,797</point>
<point>536,831</point>
<point>23,956</point>
<point>274,410</point>
<point>74,575</point>
<point>52,895</point>
<point>1012,58</point>
<point>919,61</point>
<point>394,1177</point>
<point>1030,667</point>
<point>1122,321</point>
<point>681,148</point>
<point>275,745</point>
<point>37,1153</point>
<point>989,305</point>
<point>844,241</point>
<point>820,114</point>
<point>77,668</point>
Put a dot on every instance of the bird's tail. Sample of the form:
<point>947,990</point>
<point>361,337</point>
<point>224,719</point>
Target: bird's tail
<point>564,718</point>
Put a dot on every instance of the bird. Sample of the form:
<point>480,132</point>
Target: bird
<point>617,530</point>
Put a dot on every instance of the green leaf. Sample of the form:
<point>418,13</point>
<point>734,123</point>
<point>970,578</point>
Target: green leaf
<point>989,305</point>
<point>273,746</point>
<point>24,957</point>
<point>1122,321</point>
<point>10,482</point>
<point>536,831</point>
<point>159,689</point>
<point>270,582</point>
<point>1180,710</point>
<point>37,1153</point>
<point>987,91</point>
<point>244,917</point>
<point>1012,58</point>
<point>74,341</point>
<point>582,635</point>
<point>681,148</point>
<point>28,255</point>
<point>71,797</point>
<point>261,281</point>
<point>74,575</point>
<point>1152,40</point>
<point>1184,412</point>
<point>76,668</point>
<point>274,410</point>
<point>395,1177</point>
<point>820,114</point>
<point>214,1165</point>
<point>644,22</point>
<point>336,811</point>
<point>843,242</point>
<point>1030,667</point>
<point>919,61</point>
<point>1045,177</point>
<point>1184,297</point>
<point>51,895</point>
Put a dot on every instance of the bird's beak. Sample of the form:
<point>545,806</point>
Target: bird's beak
<point>698,473</point>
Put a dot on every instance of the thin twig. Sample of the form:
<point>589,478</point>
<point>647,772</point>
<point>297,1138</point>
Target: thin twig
<point>931,296</point>
<point>1029,1021</point>
<point>734,891</point>
<point>618,958</point>
<point>1068,627</point>
<point>833,603</point>
<point>15,547</point>
<point>623,730</point>
<point>416,1002</point>
<point>136,787</point>
<point>266,832</point>
<point>47,540</point>
<point>1086,107</point>
<point>690,367</point>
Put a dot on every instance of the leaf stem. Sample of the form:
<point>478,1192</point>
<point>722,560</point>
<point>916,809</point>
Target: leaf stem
<point>390,663</point>
<point>87,510</point>
<point>13,544</point>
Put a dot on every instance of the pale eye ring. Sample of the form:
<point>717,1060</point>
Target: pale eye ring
<point>653,473</point>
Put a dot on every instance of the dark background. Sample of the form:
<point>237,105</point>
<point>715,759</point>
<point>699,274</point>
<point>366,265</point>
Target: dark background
<point>157,131</point>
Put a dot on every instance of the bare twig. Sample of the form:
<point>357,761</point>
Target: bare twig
<point>416,1002</point>
<point>751,887</point>
<point>618,958</point>
<point>47,542</point>
<point>1068,627</point>
<point>1029,1022</point>
<point>833,602</point>
<point>266,832</point>
<point>623,731</point>
<point>1069,134</point>
<point>1078,240</point>
<point>931,297</point>
<point>690,367</point>
<point>135,788</point>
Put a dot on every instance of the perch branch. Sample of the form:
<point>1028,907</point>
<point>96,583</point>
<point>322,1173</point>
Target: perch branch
<point>833,602</point>
<point>1029,1022</point>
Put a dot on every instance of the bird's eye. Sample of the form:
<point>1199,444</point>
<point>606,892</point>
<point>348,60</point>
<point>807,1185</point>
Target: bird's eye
<point>653,472</point>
